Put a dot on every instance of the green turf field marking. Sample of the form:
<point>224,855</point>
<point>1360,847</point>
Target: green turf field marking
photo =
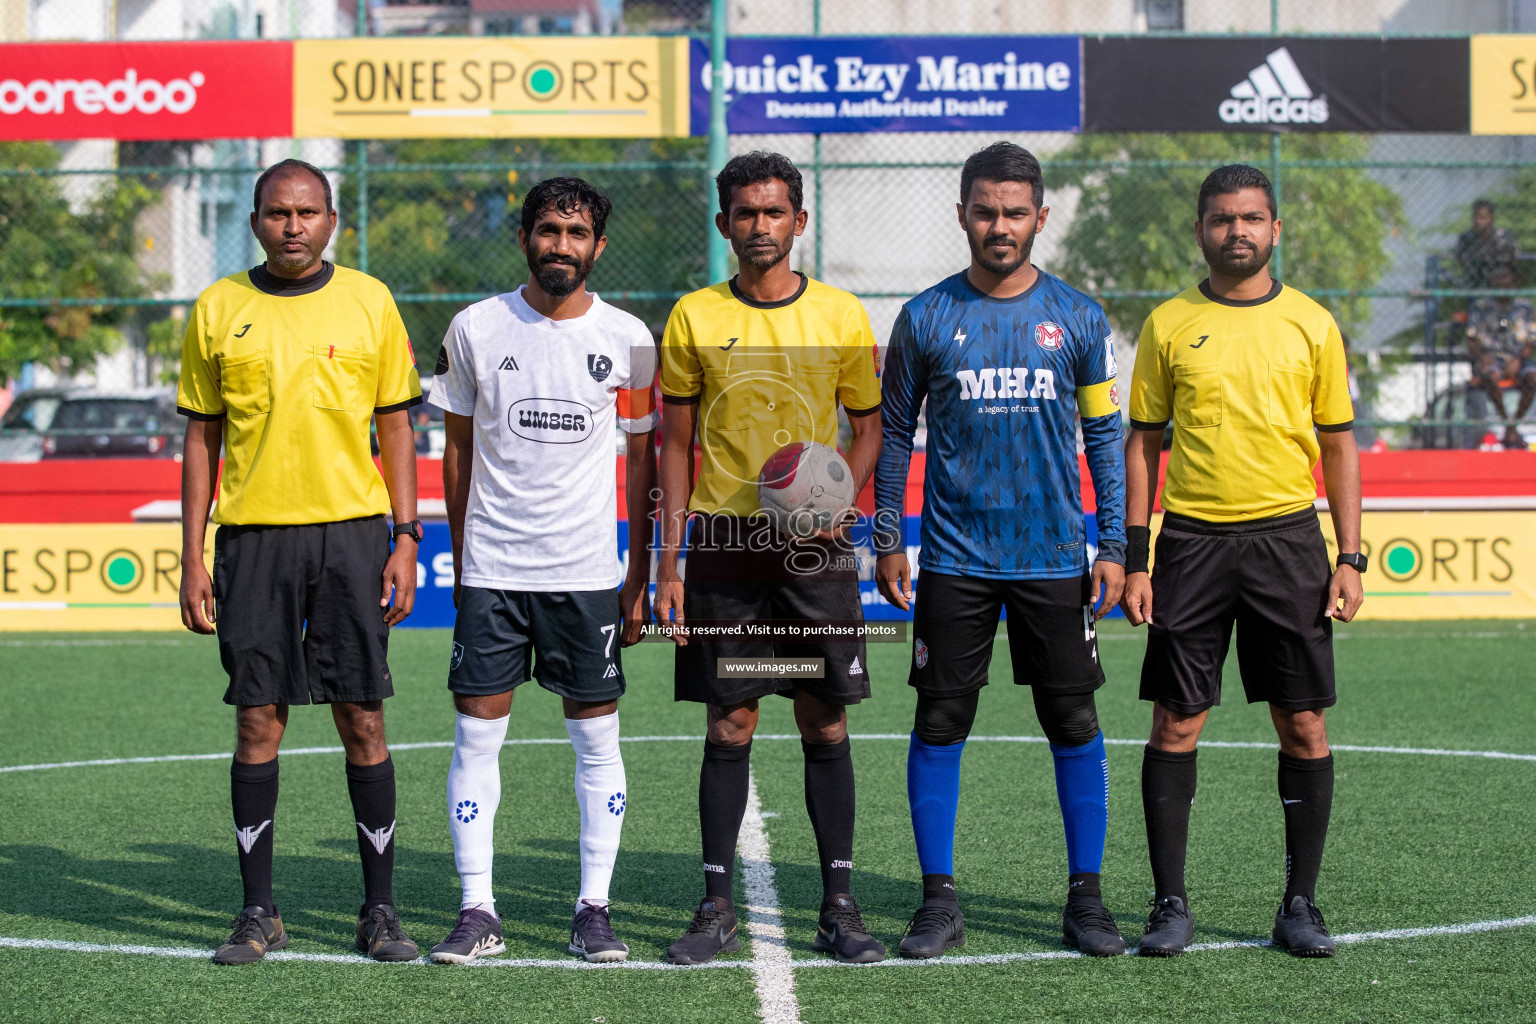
<point>772,967</point>
<point>191,953</point>
<point>1351,748</point>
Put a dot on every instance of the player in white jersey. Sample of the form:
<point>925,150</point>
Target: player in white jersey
<point>532,382</point>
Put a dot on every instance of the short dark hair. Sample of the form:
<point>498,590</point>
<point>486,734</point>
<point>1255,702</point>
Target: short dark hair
<point>1002,161</point>
<point>282,169</point>
<point>751,168</point>
<point>1482,204</point>
<point>567,195</point>
<point>1224,181</point>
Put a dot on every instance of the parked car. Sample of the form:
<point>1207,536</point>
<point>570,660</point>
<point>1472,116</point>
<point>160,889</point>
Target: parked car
<point>131,424</point>
<point>21,428</point>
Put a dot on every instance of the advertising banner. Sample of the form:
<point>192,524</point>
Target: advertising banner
<point>895,84</point>
<point>193,90</point>
<point>79,577</point>
<point>1272,84</point>
<point>1503,85</point>
<point>503,86</point>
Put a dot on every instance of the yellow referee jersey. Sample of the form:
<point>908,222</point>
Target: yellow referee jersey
<point>296,369</point>
<point>1245,383</point>
<point>765,374</point>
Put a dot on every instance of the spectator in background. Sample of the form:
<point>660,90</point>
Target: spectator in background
<point>1501,339</point>
<point>420,422</point>
<point>1483,248</point>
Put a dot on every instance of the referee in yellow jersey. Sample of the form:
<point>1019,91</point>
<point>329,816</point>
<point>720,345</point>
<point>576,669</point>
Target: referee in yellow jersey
<point>285,365</point>
<point>751,365</point>
<point>1252,376</point>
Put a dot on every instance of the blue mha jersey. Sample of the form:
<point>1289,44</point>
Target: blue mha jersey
<point>1005,381</point>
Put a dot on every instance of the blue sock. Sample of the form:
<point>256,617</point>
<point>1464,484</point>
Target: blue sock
<point>1082,787</point>
<point>933,792</point>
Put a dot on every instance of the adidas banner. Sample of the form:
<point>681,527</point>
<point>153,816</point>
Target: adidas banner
<point>1273,83</point>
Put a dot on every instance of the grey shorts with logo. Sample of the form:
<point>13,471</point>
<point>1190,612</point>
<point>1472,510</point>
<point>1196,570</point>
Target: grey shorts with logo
<point>567,640</point>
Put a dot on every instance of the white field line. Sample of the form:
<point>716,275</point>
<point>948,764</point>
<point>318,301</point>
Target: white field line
<point>192,953</point>
<point>771,962</point>
<point>1495,755</point>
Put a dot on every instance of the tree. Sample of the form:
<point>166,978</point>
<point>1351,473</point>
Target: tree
<point>49,251</point>
<point>454,232</point>
<point>1134,226</point>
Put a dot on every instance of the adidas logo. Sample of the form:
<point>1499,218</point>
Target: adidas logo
<point>855,669</point>
<point>508,364</point>
<point>1274,93</point>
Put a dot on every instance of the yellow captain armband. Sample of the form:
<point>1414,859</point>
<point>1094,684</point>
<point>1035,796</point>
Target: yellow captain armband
<point>1101,399</point>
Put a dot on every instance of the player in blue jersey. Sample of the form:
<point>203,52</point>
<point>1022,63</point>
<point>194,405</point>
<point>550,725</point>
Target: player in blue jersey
<point>1009,359</point>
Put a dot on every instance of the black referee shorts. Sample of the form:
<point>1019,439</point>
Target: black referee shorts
<point>741,571</point>
<point>298,612</point>
<point>1269,577</point>
<point>1052,639</point>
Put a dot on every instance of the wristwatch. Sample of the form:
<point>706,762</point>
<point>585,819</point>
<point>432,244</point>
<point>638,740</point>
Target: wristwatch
<point>1355,561</point>
<point>411,529</point>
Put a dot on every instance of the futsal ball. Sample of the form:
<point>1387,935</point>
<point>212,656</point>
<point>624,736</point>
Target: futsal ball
<point>804,487</point>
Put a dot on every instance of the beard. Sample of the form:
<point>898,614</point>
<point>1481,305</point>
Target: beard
<point>1006,266</point>
<point>1240,262</point>
<point>764,257</point>
<point>294,262</point>
<point>560,276</point>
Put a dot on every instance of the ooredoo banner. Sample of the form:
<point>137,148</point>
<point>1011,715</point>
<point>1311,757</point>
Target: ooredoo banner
<point>130,91</point>
<point>1268,83</point>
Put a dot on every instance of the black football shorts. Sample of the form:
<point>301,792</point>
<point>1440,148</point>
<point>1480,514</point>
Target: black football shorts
<point>1268,576</point>
<point>1052,640</point>
<point>568,640</point>
<point>298,612</point>
<point>740,571</point>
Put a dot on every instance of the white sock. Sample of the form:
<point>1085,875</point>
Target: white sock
<point>600,793</point>
<point>474,791</point>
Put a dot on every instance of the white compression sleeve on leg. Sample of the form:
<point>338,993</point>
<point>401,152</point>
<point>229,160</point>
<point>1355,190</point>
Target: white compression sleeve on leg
<point>474,791</point>
<point>600,793</point>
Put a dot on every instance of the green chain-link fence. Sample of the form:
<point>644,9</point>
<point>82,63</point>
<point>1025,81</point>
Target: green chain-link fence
<point>103,246</point>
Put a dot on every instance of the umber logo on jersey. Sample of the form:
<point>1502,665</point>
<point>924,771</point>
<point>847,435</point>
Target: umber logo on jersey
<point>599,367</point>
<point>550,420</point>
<point>508,364</point>
<point>1050,336</point>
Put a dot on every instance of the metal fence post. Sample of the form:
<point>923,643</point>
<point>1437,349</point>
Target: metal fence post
<point>719,147</point>
<point>360,147</point>
<point>1277,261</point>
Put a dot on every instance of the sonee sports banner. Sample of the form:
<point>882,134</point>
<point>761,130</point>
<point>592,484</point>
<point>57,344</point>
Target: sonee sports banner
<point>1268,83</point>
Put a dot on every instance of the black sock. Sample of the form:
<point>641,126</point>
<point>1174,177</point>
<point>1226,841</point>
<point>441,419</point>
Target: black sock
<point>1306,795</point>
<point>1084,886</point>
<point>372,788</point>
<point>253,795</point>
<point>829,802</point>
<point>1167,790</point>
<point>722,802</point>
<point>939,889</point>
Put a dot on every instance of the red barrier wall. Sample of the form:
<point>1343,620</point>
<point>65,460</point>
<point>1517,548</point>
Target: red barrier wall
<point>108,490</point>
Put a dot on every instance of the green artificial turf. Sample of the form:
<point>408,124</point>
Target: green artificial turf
<point>142,854</point>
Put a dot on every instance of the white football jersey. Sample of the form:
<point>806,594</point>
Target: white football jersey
<point>544,395</point>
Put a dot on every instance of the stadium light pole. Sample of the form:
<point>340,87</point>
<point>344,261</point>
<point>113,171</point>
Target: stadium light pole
<point>719,148</point>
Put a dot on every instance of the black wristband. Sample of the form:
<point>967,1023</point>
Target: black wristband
<point>1138,548</point>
